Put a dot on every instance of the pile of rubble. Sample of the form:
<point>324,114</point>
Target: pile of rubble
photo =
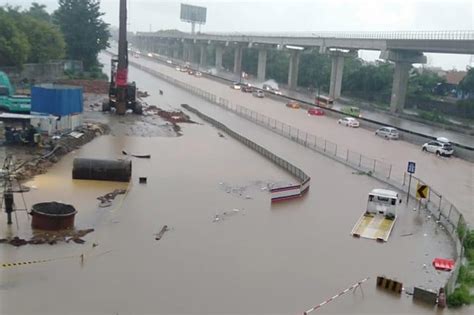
<point>89,86</point>
<point>57,147</point>
<point>49,237</point>
<point>173,117</point>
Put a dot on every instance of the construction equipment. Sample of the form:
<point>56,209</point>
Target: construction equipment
<point>122,94</point>
<point>8,100</point>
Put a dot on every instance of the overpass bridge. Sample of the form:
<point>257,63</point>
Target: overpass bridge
<point>402,48</point>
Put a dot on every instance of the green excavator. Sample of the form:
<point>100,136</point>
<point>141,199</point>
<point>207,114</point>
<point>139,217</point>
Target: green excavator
<point>9,101</point>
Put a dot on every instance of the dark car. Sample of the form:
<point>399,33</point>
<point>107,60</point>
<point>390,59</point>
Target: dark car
<point>246,88</point>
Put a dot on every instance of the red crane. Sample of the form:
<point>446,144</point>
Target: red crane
<point>122,94</point>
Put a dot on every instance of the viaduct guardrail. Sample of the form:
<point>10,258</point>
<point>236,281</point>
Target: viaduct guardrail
<point>445,213</point>
<point>404,35</point>
<point>452,42</point>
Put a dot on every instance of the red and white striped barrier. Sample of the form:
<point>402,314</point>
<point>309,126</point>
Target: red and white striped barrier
<point>290,192</point>
<point>352,287</point>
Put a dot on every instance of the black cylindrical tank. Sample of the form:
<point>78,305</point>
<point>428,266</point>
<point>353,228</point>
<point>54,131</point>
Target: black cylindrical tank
<point>113,170</point>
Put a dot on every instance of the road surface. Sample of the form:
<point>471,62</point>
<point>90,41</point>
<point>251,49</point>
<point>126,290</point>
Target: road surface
<point>264,259</point>
<point>452,177</point>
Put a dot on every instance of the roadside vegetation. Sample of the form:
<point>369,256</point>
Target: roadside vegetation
<point>29,36</point>
<point>74,31</point>
<point>463,294</point>
<point>366,81</point>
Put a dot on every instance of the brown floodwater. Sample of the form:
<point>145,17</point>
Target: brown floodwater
<point>452,177</point>
<point>262,259</point>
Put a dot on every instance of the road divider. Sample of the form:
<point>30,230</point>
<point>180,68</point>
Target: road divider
<point>277,193</point>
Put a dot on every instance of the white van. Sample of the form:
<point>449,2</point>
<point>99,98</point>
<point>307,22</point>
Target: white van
<point>383,201</point>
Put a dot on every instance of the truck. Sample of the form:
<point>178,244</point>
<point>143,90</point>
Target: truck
<point>9,101</point>
<point>351,111</point>
<point>379,218</point>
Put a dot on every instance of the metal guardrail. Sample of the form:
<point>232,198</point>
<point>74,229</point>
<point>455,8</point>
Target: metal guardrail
<point>445,213</point>
<point>395,35</point>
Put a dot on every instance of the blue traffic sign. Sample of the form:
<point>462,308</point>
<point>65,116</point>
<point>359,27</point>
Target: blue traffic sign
<point>411,167</point>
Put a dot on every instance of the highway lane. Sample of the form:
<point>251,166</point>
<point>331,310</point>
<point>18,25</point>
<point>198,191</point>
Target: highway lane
<point>453,177</point>
<point>457,137</point>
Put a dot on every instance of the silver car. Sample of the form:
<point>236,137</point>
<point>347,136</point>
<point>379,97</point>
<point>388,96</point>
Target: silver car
<point>388,133</point>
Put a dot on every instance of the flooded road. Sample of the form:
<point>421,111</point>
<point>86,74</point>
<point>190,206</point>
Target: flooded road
<point>381,117</point>
<point>264,259</point>
<point>453,177</point>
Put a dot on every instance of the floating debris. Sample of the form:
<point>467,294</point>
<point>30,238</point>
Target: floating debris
<point>220,217</point>
<point>140,156</point>
<point>107,198</point>
<point>160,234</point>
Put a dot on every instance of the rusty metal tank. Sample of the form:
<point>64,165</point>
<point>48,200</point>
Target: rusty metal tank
<point>52,216</point>
<point>96,169</point>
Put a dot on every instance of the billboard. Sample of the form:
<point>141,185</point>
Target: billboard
<point>193,14</point>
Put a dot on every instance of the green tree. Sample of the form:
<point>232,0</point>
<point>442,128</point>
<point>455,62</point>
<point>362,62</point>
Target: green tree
<point>467,83</point>
<point>85,32</point>
<point>371,81</point>
<point>277,65</point>
<point>38,11</point>
<point>314,71</point>
<point>421,85</point>
<point>14,46</point>
<point>45,39</point>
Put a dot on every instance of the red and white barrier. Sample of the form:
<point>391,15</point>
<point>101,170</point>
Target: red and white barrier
<point>290,192</point>
<point>352,287</point>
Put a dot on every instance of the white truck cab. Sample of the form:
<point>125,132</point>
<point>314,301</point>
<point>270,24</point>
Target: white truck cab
<point>383,201</point>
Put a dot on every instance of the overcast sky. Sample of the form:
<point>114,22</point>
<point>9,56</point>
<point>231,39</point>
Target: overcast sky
<point>302,15</point>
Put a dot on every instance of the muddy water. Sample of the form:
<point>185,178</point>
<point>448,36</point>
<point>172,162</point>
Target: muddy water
<point>262,259</point>
<point>453,177</point>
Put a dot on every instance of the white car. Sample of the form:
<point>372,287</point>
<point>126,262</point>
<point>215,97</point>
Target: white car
<point>348,122</point>
<point>276,92</point>
<point>236,86</point>
<point>169,62</point>
<point>178,68</point>
<point>150,55</point>
<point>439,148</point>
<point>388,133</point>
<point>198,74</point>
<point>258,93</point>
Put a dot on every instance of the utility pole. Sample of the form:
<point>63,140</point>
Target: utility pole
<point>122,67</point>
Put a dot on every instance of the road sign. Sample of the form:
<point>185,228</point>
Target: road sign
<point>422,191</point>
<point>411,167</point>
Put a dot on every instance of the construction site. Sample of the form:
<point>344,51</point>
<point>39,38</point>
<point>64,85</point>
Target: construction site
<point>150,194</point>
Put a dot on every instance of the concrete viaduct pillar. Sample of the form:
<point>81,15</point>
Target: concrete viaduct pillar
<point>219,54</point>
<point>187,52</point>
<point>403,61</point>
<point>293,71</point>
<point>175,53</point>
<point>238,60</point>
<point>203,56</point>
<point>262,64</point>
<point>337,69</point>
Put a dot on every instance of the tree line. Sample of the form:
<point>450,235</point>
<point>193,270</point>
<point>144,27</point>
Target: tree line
<point>363,80</point>
<point>74,31</point>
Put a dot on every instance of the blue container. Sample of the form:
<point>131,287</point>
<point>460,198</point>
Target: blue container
<point>58,100</point>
